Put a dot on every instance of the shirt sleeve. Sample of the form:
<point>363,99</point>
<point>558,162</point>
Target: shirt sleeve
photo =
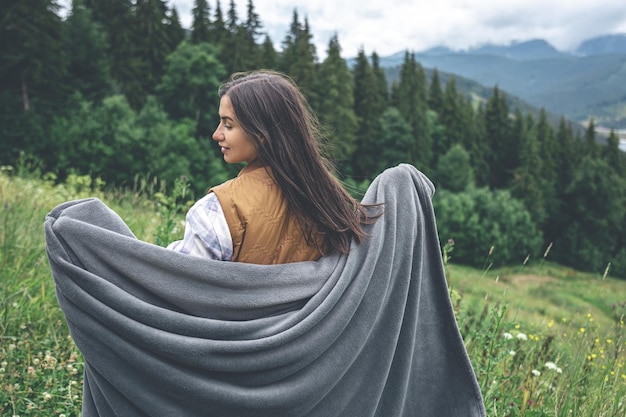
<point>206,231</point>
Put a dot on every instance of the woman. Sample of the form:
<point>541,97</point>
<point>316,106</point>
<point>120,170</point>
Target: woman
<point>285,205</point>
<point>368,331</point>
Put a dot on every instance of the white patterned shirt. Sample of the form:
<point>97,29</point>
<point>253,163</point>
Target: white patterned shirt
<point>206,231</point>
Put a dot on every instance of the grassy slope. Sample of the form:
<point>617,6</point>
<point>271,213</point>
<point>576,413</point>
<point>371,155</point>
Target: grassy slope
<point>538,294</point>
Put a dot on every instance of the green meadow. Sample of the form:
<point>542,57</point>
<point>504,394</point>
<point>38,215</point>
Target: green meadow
<point>544,340</point>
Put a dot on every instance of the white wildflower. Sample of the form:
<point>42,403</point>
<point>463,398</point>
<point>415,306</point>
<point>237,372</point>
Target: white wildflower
<point>507,335</point>
<point>552,366</point>
<point>535,372</point>
<point>522,336</point>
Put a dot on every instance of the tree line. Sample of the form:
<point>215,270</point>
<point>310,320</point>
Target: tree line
<point>119,90</point>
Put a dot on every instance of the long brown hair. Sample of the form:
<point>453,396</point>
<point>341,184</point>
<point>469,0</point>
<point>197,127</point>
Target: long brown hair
<point>277,117</point>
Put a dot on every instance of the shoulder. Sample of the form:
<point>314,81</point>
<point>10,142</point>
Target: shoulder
<point>252,179</point>
<point>208,203</point>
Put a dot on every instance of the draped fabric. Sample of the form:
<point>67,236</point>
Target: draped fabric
<point>371,333</point>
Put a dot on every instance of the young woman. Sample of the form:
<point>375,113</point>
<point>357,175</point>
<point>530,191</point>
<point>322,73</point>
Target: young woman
<point>285,205</point>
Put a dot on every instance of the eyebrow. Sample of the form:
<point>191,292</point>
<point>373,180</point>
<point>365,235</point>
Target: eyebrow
<point>227,118</point>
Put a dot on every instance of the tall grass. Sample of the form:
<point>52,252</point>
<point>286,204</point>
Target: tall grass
<point>544,340</point>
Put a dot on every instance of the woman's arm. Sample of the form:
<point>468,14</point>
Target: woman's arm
<point>206,231</point>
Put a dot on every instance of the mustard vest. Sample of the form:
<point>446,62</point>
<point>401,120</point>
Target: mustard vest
<point>262,230</point>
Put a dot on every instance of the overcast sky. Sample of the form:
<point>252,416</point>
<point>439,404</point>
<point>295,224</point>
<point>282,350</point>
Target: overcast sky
<point>389,26</point>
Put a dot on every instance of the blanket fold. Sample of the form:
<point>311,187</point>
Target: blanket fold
<point>371,333</point>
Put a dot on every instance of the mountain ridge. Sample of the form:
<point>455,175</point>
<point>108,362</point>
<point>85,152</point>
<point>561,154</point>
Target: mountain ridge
<point>587,83</point>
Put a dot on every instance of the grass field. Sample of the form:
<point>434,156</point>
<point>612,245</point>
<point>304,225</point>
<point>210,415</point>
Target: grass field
<point>544,340</point>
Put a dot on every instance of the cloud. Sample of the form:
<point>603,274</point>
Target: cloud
<point>390,26</point>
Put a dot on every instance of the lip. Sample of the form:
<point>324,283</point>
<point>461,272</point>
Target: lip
<point>224,149</point>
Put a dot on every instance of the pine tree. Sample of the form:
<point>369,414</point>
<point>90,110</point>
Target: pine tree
<point>473,139</point>
<point>454,170</point>
<point>503,158</point>
<point>528,183</point>
<point>382,87</point>
<point>449,115</point>
<point>175,30</point>
<point>410,100</point>
<point>33,62</point>
<point>364,162</point>
<point>32,72</point>
<point>233,47</point>
<point>288,55</point>
<point>201,22</point>
<point>219,33</point>
<point>118,21</point>
<point>252,30</point>
<point>613,156</point>
<point>597,196</point>
<point>336,109</point>
<point>87,51</point>
<point>269,56</point>
<point>548,149</point>
<point>393,146</point>
<point>480,151</point>
<point>567,159</point>
<point>305,70</point>
<point>590,146</point>
<point>435,93</point>
<point>153,46</point>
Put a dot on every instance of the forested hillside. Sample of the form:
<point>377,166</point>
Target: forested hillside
<point>119,91</point>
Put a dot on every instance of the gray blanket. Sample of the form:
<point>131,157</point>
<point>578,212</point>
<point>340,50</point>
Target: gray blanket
<point>371,333</point>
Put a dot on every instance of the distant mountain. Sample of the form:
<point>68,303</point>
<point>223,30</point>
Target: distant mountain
<point>521,51</point>
<point>578,87</point>
<point>603,45</point>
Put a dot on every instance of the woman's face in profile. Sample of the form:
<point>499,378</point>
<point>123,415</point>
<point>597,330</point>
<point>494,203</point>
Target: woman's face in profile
<point>235,144</point>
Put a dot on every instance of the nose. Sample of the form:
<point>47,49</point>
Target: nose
<point>217,135</point>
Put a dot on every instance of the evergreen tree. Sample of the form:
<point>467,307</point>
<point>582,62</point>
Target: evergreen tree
<point>451,114</point>
<point>568,155</point>
<point>364,162</point>
<point>382,86</point>
<point>300,61</point>
<point>336,109</point>
<point>480,152</point>
<point>269,56</point>
<point>613,156</point>
<point>201,22</point>
<point>393,146</point>
<point>454,170</point>
<point>590,146</point>
<point>33,62</point>
<point>528,183</point>
<point>410,100</point>
<point>252,30</point>
<point>85,44</point>
<point>32,72</point>
<point>153,46</point>
<point>503,157</point>
<point>597,196</point>
<point>567,159</point>
<point>219,33</point>
<point>435,93</point>
<point>118,21</point>
<point>175,30</point>
<point>288,56</point>
<point>233,46</point>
